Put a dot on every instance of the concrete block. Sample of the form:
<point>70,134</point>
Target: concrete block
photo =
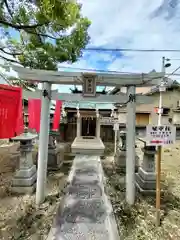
<point>145,184</point>
<point>145,192</point>
<point>24,181</point>
<point>55,157</point>
<point>23,189</point>
<point>26,172</point>
<point>88,146</point>
<point>147,176</point>
<point>120,161</point>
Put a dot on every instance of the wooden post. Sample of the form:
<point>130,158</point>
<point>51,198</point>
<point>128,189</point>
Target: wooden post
<point>158,186</point>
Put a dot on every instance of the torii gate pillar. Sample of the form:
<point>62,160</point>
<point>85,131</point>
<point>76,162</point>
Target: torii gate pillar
<point>43,143</point>
<point>130,144</point>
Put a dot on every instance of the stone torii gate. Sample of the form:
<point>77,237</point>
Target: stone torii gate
<point>89,81</point>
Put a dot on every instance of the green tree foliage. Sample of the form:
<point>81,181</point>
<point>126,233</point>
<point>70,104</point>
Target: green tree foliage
<point>22,83</point>
<point>42,33</point>
<point>28,85</point>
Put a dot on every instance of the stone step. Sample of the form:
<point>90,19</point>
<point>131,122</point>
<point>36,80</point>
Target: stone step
<point>86,191</point>
<point>86,212</point>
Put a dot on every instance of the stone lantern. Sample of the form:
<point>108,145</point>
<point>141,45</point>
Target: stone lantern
<point>122,136</point>
<point>24,180</point>
<point>52,143</point>
<point>55,152</point>
<point>120,157</point>
<point>146,176</point>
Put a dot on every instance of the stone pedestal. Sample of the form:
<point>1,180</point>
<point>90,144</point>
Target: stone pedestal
<point>24,180</point>
<point>55,153</point>
<point>146,176</point>
<point>120,161</point>
<point>56,157</point>
<point>120,156</point>
<point>176,116</point>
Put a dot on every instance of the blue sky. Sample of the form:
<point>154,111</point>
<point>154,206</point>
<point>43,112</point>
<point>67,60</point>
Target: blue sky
<point>131,24</point>
<point>136,24</point>
<point>144,24</point>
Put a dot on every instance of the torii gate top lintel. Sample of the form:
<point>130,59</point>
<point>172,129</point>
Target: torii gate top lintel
<point>76,78</point>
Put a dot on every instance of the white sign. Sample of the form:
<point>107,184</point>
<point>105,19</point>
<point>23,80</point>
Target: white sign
<point>162,88</point>
<point>116,127</point>
<point>160,135</point>
<point>108,121</point>
<point>160,110</point>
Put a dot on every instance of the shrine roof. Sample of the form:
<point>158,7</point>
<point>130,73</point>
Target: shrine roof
<point>90,105</point>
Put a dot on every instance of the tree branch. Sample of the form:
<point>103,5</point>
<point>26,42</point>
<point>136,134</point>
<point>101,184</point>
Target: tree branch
<point>28,27</point>
<point>8,53</point>
<point>21,27</point>
<point>9,10</point>
<point>41,34</point>
<point>45,35</point>
<point>9,60</point>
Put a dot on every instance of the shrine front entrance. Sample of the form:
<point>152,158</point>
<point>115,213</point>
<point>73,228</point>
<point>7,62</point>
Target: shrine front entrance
<point>88,127</point>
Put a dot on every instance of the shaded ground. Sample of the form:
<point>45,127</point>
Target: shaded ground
<point>20,220</point>
<point>18,217</point>
<point>139,222</point>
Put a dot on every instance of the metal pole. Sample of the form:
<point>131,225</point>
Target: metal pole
<point>43,145</point>
<point>130,146</point>
<point>158,162</point>
<point>160,95</point>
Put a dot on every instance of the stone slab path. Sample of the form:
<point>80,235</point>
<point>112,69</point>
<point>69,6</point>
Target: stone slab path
<point>86,213</point>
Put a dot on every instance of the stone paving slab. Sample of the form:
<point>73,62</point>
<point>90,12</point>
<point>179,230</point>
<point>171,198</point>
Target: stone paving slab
<point>85,179</point>
<point>92,211</point>
<point>88,167</point>
<point>86,212</point>
<point>83,231</point>
<point>88,191</point>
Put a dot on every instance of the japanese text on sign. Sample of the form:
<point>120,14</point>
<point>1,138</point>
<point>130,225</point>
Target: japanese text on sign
<point>108,121</point>
<point>160,135</point>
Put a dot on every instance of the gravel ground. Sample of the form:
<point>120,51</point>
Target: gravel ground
<point>138,222</point>
<point>19,219</point>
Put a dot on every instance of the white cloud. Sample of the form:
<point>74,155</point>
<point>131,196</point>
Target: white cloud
<point>137,24</point>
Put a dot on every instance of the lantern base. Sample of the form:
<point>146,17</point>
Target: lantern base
<point>56,157</point>
<point>24,181</point>
<point>120,161</point>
